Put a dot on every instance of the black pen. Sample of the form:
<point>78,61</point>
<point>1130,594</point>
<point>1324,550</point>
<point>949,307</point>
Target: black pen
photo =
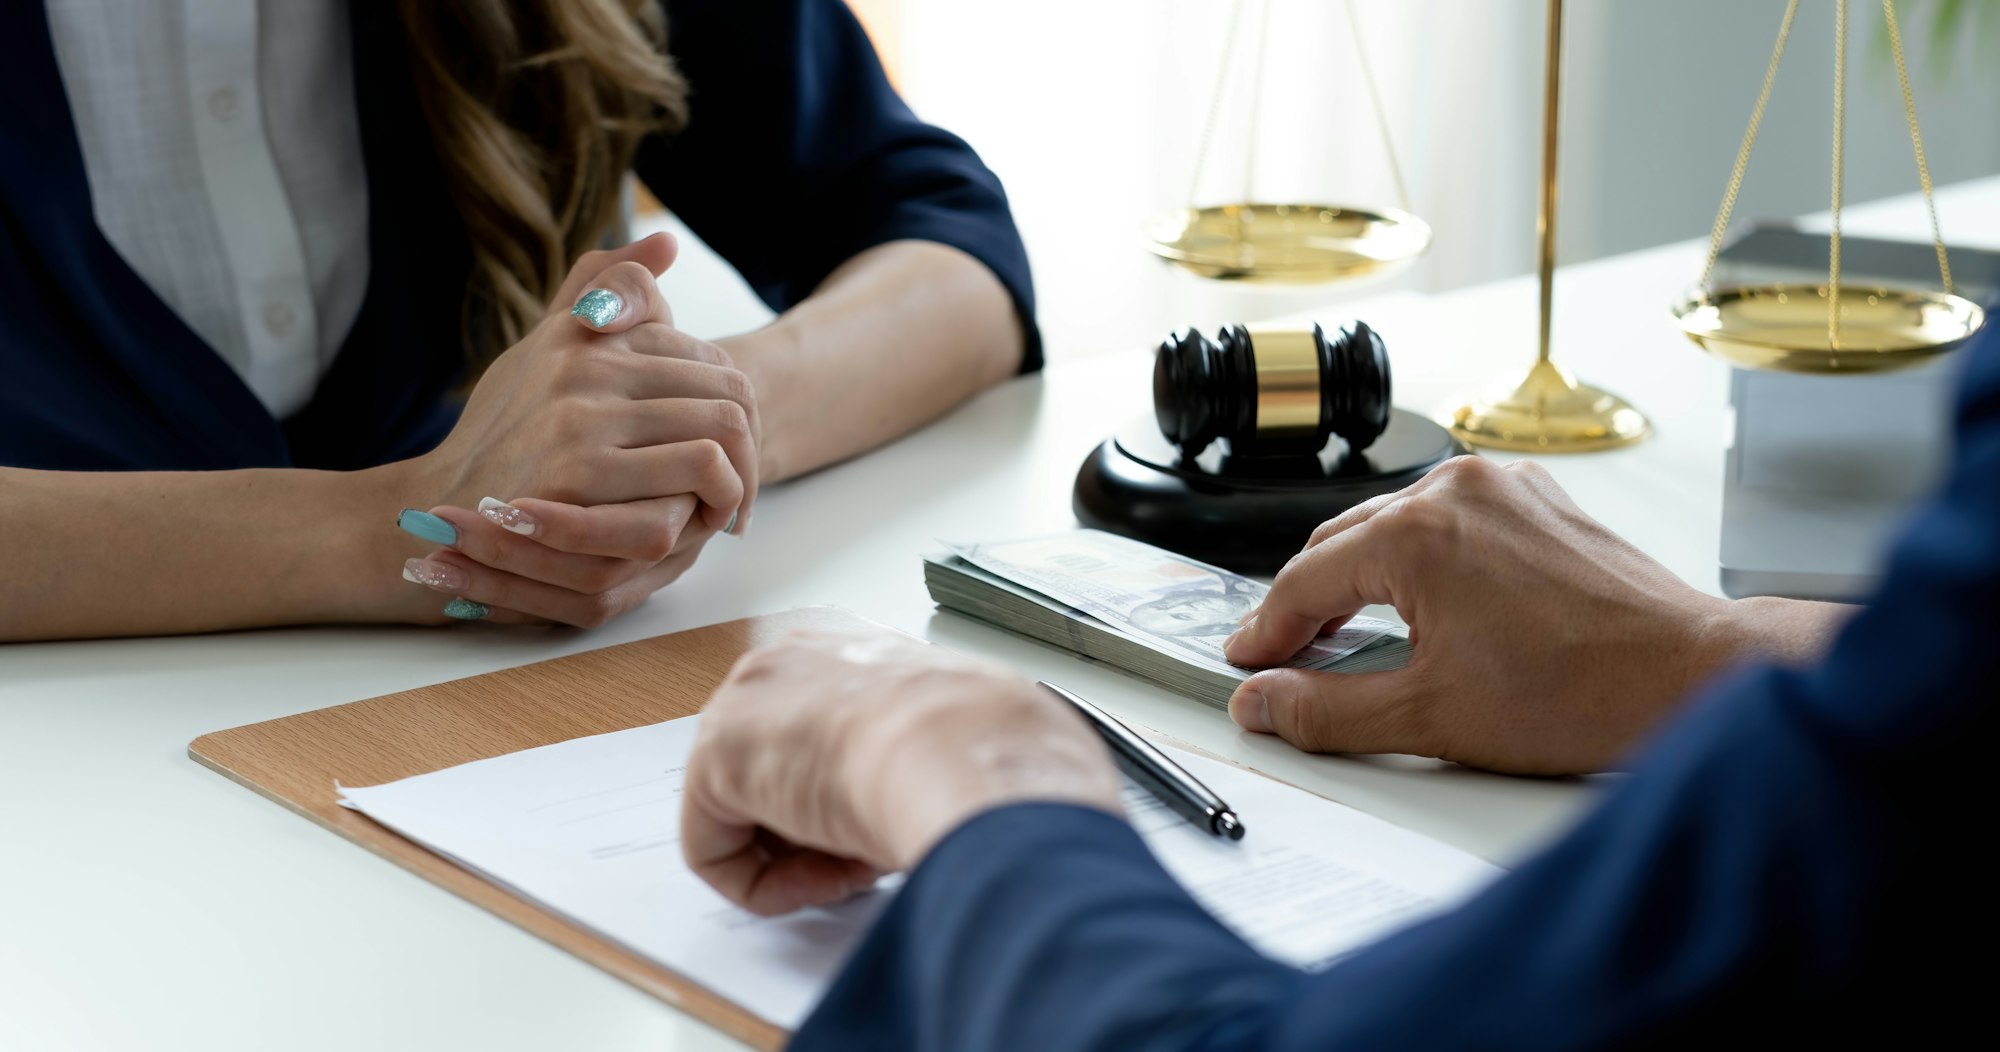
<point>1150,768</point>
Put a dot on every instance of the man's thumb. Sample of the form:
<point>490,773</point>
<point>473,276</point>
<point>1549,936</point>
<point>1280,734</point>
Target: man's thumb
<point>1328,711</point>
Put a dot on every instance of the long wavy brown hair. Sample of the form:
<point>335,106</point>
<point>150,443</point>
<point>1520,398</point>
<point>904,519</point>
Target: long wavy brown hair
<point>537,107</point>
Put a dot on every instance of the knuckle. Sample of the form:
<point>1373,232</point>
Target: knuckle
<point>1425,523</point>
<point>1469,468</point>
<point>561,486</point>
<point>595,470</point>
<point>606,357</point>
<point>599,577</point>
<point>732,418</point>
<point>645,336</point>
<point>662,340</point>
<point>739,388</point>
<point>598,610</point>
<point>694,349</point>
<point>713,460</point>
<point>658,541</point>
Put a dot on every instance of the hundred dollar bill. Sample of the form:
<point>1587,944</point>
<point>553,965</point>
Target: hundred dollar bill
<point>1169,600</point>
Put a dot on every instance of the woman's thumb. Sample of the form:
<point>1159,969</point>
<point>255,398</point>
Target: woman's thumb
<point>655,253</point>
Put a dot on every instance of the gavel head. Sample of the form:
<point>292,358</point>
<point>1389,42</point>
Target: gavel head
<point>1272,390</point>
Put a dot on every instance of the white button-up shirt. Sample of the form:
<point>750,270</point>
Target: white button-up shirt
<point>223,150</point>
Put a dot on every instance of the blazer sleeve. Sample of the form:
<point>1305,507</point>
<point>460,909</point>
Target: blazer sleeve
<point>1790,856</point>
<point>799,154</point>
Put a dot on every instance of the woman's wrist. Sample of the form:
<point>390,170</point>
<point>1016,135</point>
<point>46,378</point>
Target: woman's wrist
<point>359,551</point>
<point>767,357</point>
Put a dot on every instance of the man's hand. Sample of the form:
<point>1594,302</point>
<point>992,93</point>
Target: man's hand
<point>827,760</point>
<point>1545,644</point>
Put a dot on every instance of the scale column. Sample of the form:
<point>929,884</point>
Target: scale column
<point>1548,410</point>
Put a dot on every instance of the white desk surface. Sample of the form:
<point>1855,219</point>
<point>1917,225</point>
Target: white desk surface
<point>147,903</point>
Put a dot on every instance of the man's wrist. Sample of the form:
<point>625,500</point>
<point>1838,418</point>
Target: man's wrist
<point>952,763</point>
<point>1789,630</point>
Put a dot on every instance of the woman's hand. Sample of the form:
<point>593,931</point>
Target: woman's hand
<point>1545,644</point>
<point>826,760</point>
<point>537,561</point>
<point>604,407</point>
<point>625,444</point>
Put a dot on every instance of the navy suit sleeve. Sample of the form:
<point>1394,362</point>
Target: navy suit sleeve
<point>798,154</point>
<point>1791,855</point>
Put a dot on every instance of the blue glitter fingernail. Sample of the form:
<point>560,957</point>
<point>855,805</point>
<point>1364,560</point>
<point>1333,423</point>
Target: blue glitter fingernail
<point>599,307</point>
<point>466,610</point>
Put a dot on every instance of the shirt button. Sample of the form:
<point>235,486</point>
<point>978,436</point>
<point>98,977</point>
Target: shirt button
<point>278,319</point>
<point>222,103</point>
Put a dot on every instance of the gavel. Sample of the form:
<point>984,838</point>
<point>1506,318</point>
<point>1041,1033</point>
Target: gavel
<point>1272,391</point>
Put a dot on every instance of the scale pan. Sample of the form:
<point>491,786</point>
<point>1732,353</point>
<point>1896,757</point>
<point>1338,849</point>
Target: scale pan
<point>1287,244</point>
<point>1783,327</point>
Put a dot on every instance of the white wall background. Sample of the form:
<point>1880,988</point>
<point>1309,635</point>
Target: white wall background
<point>1090,111</point>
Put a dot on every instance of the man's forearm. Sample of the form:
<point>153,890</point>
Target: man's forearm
<point>86,554</point>
<point>891,340</point>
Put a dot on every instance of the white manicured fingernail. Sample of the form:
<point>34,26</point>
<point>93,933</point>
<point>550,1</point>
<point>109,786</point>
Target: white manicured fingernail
<point>442,576</point>
<point>508,517</point>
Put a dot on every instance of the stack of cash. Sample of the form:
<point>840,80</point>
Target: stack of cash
<point>1157,615</point>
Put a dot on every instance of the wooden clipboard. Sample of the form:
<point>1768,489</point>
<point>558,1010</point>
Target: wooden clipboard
<point>296,761</point>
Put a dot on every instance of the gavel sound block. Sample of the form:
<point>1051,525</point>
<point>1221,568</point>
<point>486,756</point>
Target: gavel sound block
<point>1256,438</point>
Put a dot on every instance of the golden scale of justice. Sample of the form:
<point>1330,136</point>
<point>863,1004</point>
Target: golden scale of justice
<point>1308,385</point>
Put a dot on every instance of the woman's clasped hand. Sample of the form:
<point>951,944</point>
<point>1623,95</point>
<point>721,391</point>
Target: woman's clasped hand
<point>593,460</point>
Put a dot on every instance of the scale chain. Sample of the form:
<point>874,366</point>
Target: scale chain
<point>1229,40</point>
<point>1917,143</point>
<point>1736,174</point>
<point>1375,101</point>
<point>1215,100</point>
<point>1256,102</point>
<point>1839,172</point>
<point>1749,141</point>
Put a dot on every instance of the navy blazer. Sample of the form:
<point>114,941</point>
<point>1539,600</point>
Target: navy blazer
<point>1792,860</point>
<point>797,156</point>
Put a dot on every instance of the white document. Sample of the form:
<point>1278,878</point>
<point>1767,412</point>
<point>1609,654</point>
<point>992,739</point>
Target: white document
<point>590,828</point>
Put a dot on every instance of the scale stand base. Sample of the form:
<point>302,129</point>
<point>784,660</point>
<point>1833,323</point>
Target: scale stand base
<point>1248,514</point>
<point>1548,411</point>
